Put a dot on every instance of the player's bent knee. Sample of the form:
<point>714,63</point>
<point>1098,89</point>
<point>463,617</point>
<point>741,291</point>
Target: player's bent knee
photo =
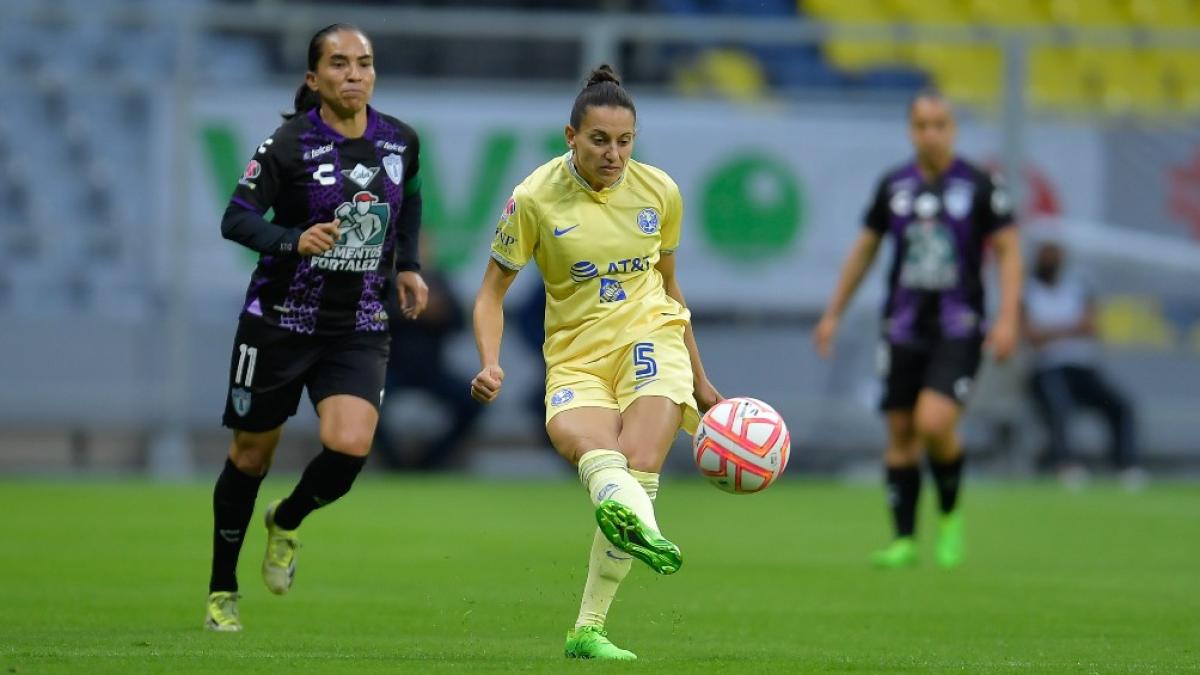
<point>348,441</point>
<point>645,458</point>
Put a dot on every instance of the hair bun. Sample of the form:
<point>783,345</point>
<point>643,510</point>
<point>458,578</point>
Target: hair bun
<point>603,73</point>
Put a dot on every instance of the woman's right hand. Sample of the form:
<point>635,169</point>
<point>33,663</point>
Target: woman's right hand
<point>824,333</point>
<point>319,238</point>
<point>486,385</point>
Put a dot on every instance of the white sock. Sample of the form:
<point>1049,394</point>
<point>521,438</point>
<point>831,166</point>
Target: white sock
<point>607,566</point>
<point>605,474</point>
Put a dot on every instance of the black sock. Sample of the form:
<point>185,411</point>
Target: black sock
<point>233,505</point>
<point>948,478</point>
<point>904,486</point>
<point>325,479</point>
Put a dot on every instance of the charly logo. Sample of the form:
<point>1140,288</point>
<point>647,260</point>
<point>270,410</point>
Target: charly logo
<point>241,400</point>
<point>583,270</point>
<point>611,290</point>
<point>561,396</point>
<point>647,221</point>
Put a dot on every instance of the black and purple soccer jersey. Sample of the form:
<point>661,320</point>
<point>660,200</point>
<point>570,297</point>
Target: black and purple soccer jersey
<point>308,173</point>
<point>938,232</point>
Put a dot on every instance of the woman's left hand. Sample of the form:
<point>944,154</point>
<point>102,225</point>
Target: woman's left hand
<point>707,396</point>
<point>414,294</point>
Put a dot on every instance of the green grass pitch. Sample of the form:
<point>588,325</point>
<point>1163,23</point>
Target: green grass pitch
<point>451,575</point>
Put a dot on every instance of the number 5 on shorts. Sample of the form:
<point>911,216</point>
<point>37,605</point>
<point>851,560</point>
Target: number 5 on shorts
<point>643,361</point>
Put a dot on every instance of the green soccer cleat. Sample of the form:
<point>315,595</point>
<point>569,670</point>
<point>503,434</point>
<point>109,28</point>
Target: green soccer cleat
<point>948,550</point>
<point>591,642</point>
<point>900,553</point>
<point>625,530</point>
<point>222,615</point>
<point>279,564</point>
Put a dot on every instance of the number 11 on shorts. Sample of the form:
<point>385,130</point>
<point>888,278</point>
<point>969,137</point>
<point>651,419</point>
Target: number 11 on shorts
<point>247,357</point>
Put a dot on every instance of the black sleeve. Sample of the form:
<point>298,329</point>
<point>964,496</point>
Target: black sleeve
<point>408,221</point>
<point>254,232</point>
<point>256,192</point>
<point>993,206</point>
<point>876,217</point>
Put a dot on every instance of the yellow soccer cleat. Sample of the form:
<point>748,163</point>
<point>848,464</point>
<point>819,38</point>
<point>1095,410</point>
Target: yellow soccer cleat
<point>279,564</point>
<point>222,615</point>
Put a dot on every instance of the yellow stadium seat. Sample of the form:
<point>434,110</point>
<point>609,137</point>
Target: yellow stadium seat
<point>930,11</point>
<point>1181,71</point>
<point>1056,80</point>
<point>728,73</point>
<point>858,55</point>
<point>966,73</point>
<point>1009,12</point>
<point>1129,80</point>
<point>1166,13</point>
<point>1090,13</point>
<point>847,11</point>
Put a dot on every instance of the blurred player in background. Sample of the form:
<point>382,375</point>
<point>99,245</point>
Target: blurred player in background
<point>623,371</point>
<point>940,212</point>
<point>418,363</point>
<point>343,181</point>
<point>1059,320</point>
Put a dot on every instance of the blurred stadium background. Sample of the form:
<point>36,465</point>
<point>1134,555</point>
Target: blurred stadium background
<point>127,123</point>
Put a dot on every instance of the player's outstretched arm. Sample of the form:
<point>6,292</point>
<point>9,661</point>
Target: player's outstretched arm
<point>853,269</point>
<point>706,394</point>
<point>488,317</point>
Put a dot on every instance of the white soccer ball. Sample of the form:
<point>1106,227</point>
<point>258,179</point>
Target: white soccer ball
<point>741,445</point>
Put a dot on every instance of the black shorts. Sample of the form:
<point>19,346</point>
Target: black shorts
<point>945,366</point>
<point>271,366</point>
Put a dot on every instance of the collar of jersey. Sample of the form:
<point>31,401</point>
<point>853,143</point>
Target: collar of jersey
<point>314,116</point>
<point>569,159</point>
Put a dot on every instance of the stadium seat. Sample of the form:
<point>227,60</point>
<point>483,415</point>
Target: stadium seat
<point>968,73</point>
<point>1130,80</point>
<point>1087,13</point>
<point>1181,72</point>
<point>1057,81</point>
<point>848,11</point>
<point>728,73</point>
<point>1009,12</point>
<point>930,11</point>
<point>857,55</point>
<point>1165,13</point>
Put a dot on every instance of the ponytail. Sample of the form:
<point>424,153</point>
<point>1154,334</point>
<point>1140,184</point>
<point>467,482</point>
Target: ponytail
<point>306,99</point>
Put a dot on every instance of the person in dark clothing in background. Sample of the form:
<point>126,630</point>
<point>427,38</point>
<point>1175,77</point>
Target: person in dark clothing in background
<point>418,362</point>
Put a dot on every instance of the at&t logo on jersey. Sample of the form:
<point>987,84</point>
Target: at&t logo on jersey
<point>363,228</point>
<point>647,221</point>
<point>583,270</point>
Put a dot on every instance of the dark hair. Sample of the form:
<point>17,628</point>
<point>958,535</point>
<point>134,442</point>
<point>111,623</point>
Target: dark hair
<point>925,93</point>
<point>307,99</point>
<point>603,88</point>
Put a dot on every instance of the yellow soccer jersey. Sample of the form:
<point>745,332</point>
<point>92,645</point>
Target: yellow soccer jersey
<point>596,252</point>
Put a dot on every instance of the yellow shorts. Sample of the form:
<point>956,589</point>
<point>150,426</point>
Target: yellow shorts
<point>657,365</point>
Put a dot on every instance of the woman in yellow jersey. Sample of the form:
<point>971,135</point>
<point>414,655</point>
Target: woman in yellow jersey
<point>622,370</point>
